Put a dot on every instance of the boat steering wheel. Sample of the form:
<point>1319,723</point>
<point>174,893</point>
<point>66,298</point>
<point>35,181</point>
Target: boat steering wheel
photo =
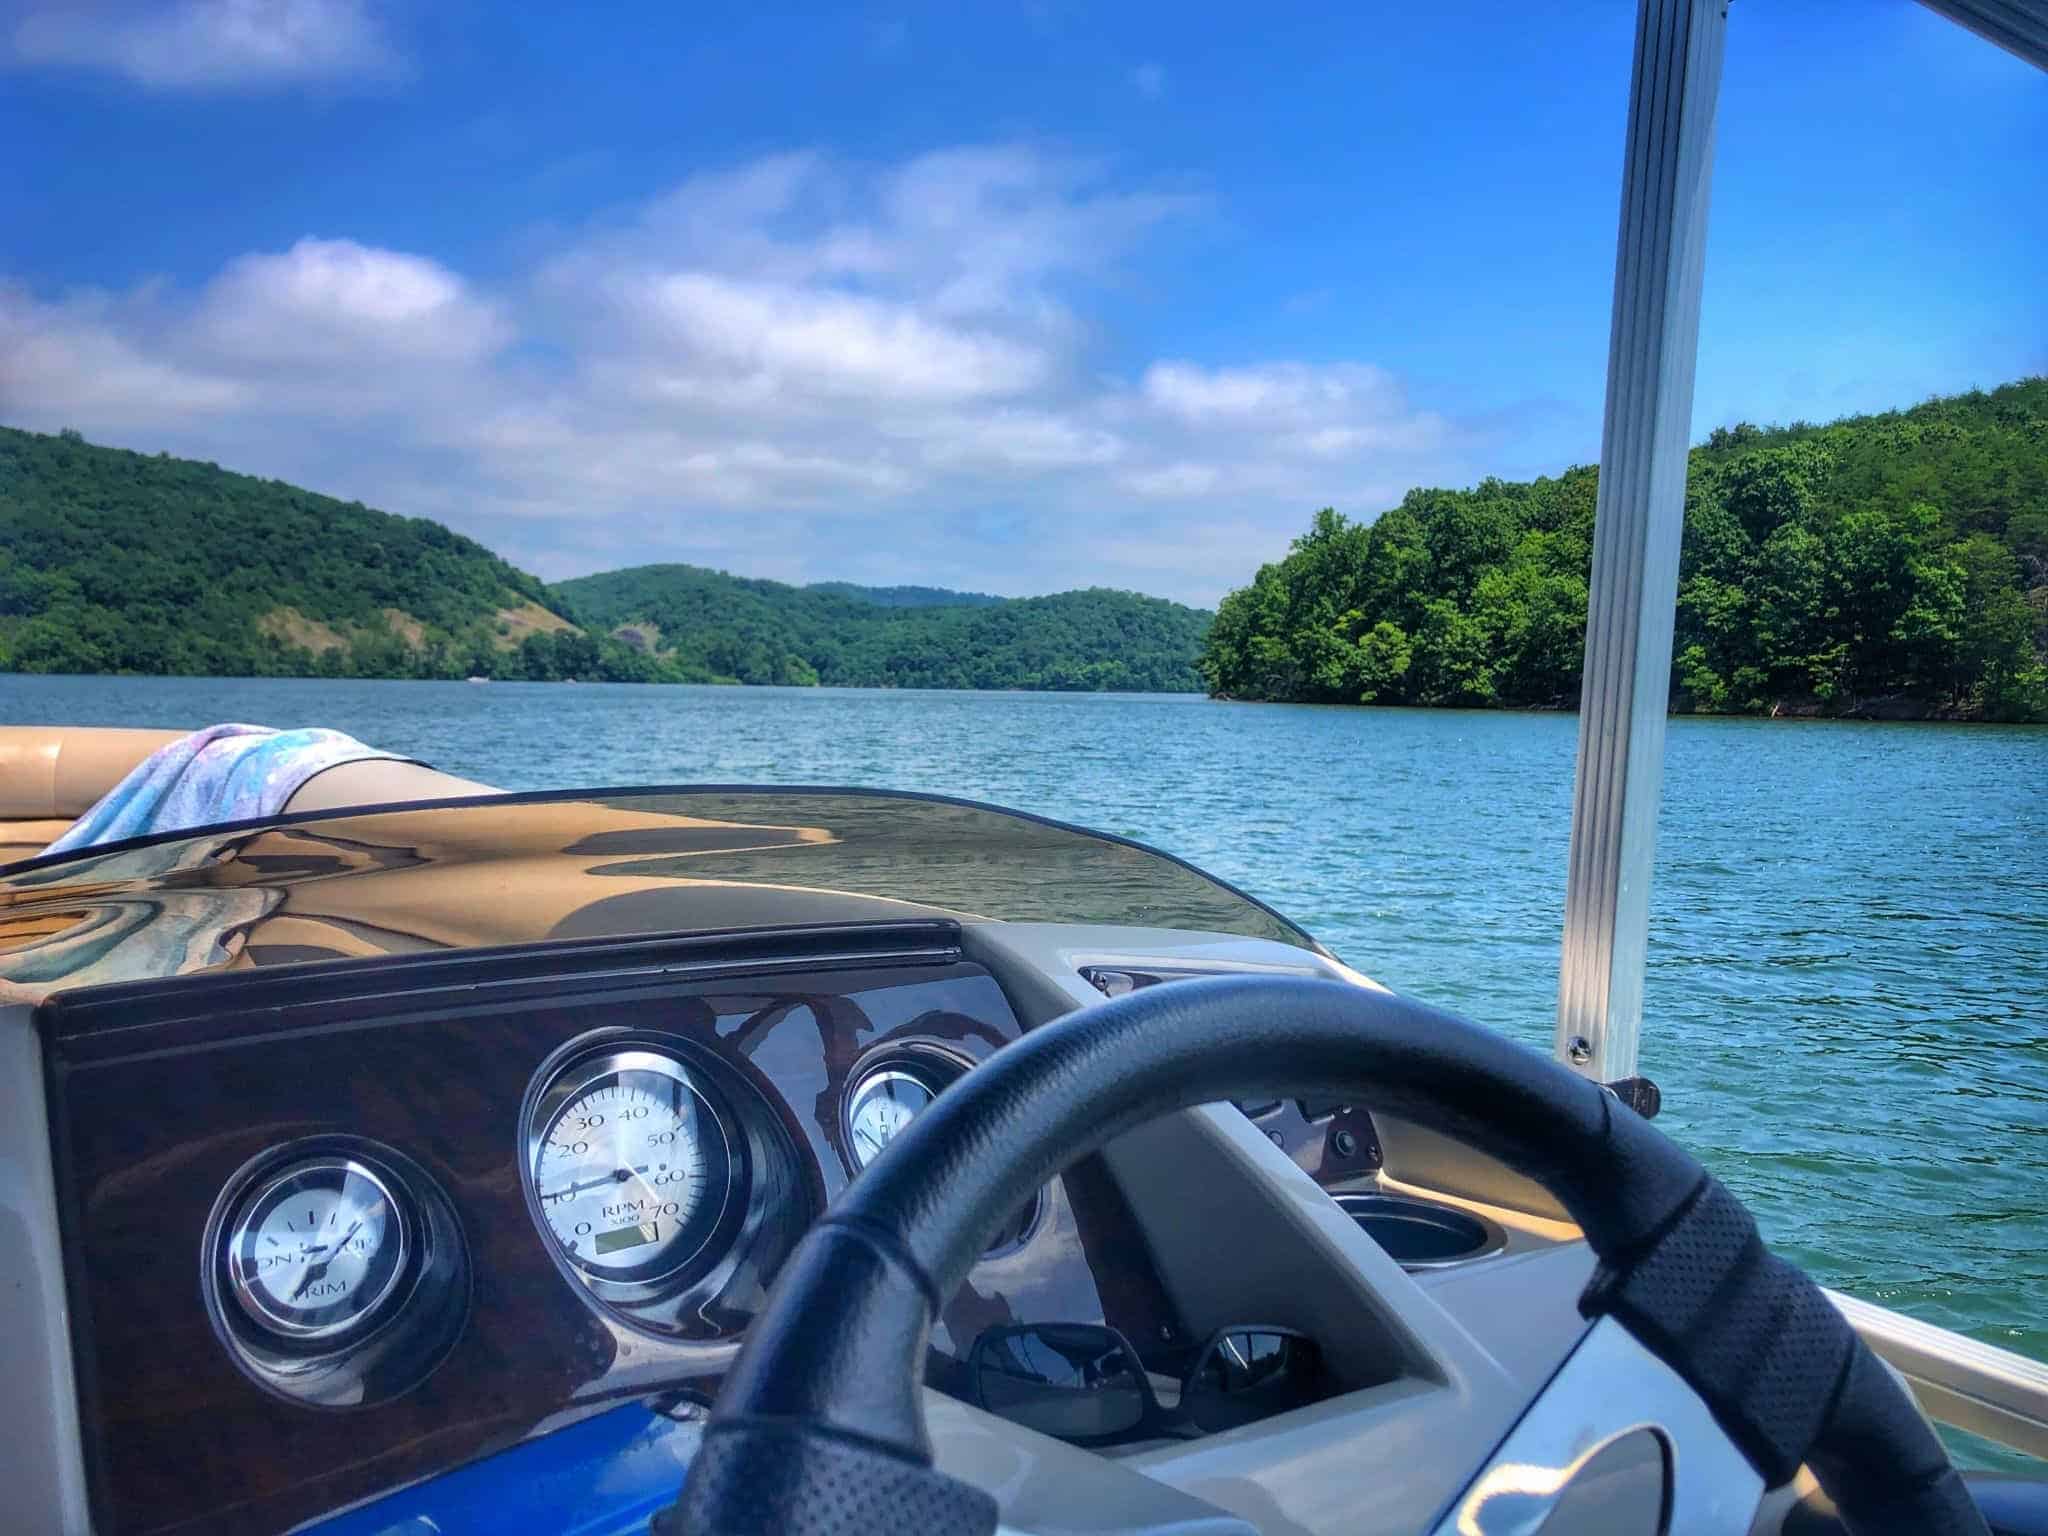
<point>820,1427</point>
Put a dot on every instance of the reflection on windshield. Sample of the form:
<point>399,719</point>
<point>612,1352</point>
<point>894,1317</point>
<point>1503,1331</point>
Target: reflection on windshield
<point>576,865</point>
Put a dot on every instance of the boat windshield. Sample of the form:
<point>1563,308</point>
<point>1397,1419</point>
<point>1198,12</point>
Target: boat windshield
<point>515,868</point>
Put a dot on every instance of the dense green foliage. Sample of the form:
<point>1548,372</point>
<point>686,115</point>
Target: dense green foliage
<point>1894,564</point>
<point>905,597</point>
<point>113,561</point>
<point>121,562</point>
<point>713,626</point>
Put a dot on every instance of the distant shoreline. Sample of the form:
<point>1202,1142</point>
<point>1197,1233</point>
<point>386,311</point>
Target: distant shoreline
<point>617,682</point>
<point>1872,712</point>
<point>1883,711</point>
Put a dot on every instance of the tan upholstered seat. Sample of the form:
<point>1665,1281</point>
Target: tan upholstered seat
<point>48,772</point>
<point>50,775</point>
<point>25,839</point>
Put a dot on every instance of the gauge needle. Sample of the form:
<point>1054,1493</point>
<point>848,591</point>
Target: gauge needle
<point>315,1271</point>
<point>634,1175</point>
<point>617,1176</point>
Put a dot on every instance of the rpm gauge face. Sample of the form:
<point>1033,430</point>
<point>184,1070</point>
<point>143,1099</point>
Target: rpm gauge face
<point>315,1249</point>
<point>631,1165</point>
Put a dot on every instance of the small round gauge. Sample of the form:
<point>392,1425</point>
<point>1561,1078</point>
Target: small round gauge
<point>316,1248</point>
<point>631,1164</point>
<point>882,1103</point>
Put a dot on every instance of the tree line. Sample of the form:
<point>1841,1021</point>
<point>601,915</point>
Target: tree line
<point>712,626</point>
<point>113,561</point>
<point>1882,564</point>
<point>1892,564</point>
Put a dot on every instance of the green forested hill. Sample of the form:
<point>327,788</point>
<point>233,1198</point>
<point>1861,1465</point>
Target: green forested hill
<point>122,562</point>
<point>1892,564</point>
<point>905,597</point>
<point>708,624</point>
<point>112,561</point>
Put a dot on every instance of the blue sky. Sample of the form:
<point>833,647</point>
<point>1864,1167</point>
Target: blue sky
<point>1008,297</point>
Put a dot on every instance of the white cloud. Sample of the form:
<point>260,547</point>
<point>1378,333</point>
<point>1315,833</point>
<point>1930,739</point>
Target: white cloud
<point>794,367</point>
<point>212,44</point>
<point>86,361</point>
<point>835,343</point>
<point>337,302</point>
<point>1013,439</point>
<point>1269,394</point>
<point>1321,432</point>
<point>1174,482</point>
<point>971,232</point>
<point>988,229</point>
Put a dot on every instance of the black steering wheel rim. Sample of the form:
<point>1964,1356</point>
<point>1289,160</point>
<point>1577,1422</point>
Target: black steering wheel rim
<point>820,1425</point>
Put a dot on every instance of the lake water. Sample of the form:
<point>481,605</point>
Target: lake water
<point>1847,999</point>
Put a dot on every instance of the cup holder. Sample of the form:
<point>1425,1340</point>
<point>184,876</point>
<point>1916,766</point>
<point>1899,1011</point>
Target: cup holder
<point>1420,1234</point>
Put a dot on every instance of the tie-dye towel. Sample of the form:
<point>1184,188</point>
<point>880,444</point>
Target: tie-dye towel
<point>223,773</point>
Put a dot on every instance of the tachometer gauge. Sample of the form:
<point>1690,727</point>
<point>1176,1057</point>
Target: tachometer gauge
<point>315,1249</point>
<point>630,1163</point>
<point>883,1103</point>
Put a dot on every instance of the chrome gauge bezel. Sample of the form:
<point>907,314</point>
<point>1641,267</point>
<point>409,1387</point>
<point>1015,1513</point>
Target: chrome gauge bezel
<point>581,1075</point>
<point>239,1239</point>
<point>865,1085</point>
<point>932,1067</point>
<point>404,1328</point>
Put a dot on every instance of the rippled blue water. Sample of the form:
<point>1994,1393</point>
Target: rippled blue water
<point>1847,1000</point>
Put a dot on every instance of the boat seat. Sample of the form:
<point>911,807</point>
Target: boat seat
<point>50,775</point>
<point>48,772</point>
<point>25,839</point>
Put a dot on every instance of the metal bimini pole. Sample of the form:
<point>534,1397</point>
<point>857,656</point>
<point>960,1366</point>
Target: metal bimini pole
<point>1652,348</point>
<point>2020,27</point>
<point>1638,520</point>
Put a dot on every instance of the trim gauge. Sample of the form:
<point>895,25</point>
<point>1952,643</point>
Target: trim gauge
<point>334,1271</point>
<point>315,1250</point>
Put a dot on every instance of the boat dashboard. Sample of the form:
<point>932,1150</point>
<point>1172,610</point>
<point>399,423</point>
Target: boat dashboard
<point>332,1214</point>
<point>368,1221</point>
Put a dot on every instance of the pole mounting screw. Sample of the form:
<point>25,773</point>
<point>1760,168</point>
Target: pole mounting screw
<point>1579,1049</point>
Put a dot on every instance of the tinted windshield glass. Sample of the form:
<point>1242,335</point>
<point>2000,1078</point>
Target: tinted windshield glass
<point>508,869</point>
